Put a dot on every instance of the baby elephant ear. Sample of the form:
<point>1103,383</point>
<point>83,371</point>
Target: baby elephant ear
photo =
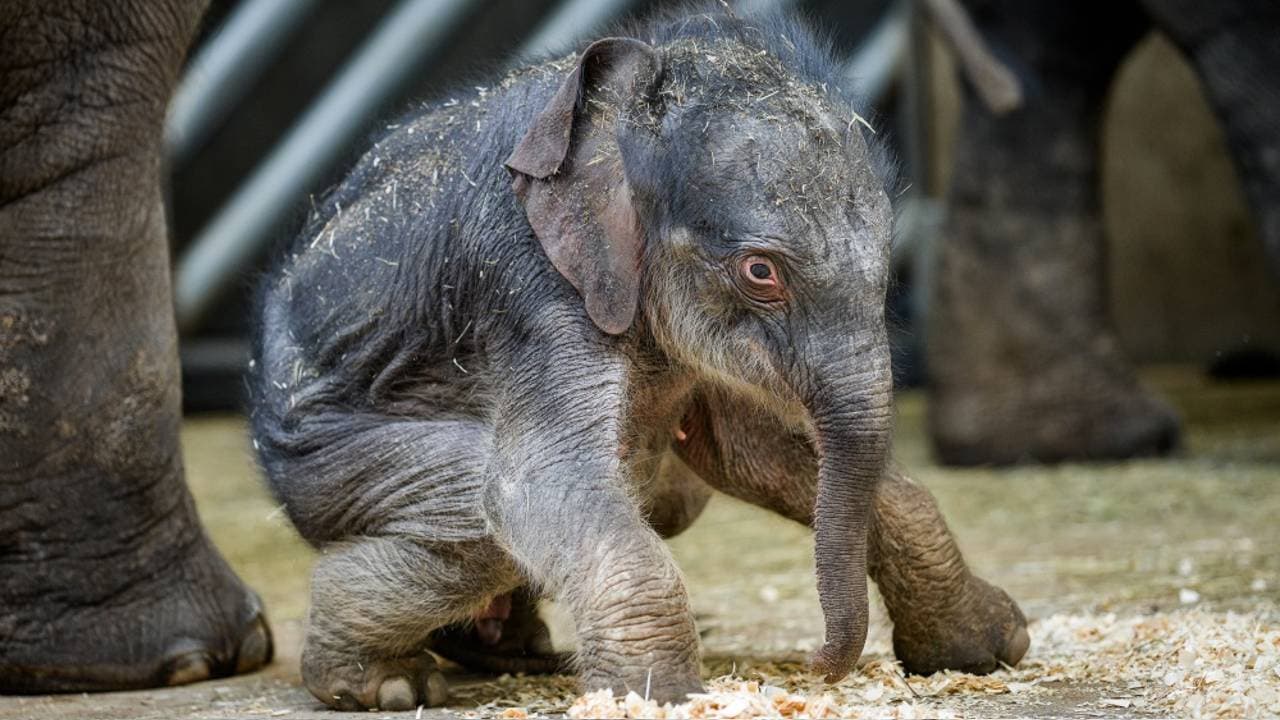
<point>568,172</point>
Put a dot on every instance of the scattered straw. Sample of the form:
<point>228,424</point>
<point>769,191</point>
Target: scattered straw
<point>1188,663</point>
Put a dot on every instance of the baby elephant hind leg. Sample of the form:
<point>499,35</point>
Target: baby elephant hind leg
<point>394,504</point>
<point>944,616</point>
<point>374,604</point>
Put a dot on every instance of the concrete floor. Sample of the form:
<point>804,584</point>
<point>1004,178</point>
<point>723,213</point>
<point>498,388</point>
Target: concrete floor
<point>1134,539</point>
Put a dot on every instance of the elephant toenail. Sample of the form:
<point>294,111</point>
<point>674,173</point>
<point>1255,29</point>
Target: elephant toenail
<point>343,700</point>
<point>396,694</point>
<point>1017,646</point>
<point>189,668</point>
<point>436,690</point>
<point>256,647</point>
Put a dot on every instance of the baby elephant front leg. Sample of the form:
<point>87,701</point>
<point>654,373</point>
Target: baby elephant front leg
<point>635,628</point>
<point>556,496</point>
<point>586,543</point>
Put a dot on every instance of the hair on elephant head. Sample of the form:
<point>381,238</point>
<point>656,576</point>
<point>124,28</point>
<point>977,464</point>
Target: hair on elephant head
<point>705,188</point>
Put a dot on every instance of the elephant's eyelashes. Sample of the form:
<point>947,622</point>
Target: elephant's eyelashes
<point>760,279</point>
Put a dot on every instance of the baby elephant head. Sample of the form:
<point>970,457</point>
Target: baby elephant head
<point>731,211</point>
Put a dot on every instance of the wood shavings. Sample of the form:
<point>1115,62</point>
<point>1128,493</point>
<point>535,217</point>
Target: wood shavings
<point>1191,662</point>
<point>736,698</point>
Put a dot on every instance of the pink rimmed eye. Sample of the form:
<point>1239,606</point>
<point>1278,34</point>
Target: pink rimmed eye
<point>761,278</point>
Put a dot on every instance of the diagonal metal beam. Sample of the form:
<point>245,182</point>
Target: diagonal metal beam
<point>224,69</point>
<point>878,57</point>
<point>571,21</point>
<point>751,7</point>
<point>401,45</point>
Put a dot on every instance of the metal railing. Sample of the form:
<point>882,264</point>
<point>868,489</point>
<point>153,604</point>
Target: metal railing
<point>403,42</point>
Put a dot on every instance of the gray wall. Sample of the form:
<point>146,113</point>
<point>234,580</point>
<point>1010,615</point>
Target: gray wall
<point>1188,275</point>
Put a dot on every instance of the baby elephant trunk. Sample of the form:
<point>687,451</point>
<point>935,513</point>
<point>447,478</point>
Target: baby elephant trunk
<point>852,418</point>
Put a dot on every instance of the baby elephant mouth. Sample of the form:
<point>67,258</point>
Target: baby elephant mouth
<point>488,622</point>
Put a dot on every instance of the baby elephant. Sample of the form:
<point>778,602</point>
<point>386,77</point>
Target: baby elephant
<point>538,322</point>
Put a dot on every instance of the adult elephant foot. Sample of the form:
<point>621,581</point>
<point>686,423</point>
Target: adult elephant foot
<point>1071,412</point>
<point>1031,397</point>
<point>166,614</point>
<point>944,616</point>
<point>1023,363</point>
<point>107,580</point>
<point>1022,359</point>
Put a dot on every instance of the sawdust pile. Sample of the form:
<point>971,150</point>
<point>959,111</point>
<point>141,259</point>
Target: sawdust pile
<point>1189,663</point>
<point>1193,663</point>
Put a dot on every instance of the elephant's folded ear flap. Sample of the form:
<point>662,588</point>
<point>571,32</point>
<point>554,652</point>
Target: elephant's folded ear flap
<point>568,173</point>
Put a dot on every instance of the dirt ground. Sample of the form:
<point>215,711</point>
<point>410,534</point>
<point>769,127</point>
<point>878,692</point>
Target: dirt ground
<point>1153,586</point>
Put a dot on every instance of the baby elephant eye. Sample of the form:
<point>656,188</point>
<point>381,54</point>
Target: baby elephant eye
<point>759,270</point>
<point>760,280</point>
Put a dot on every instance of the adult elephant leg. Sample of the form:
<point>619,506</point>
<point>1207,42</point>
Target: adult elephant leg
<point>944,616</point>
<point>1232,44</point>
<point>107,580</point>
<point>1023,361</point>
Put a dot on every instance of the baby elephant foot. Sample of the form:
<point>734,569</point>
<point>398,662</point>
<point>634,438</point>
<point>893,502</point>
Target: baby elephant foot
<point>345,683</point>
<point>648,645</point>
<point>944,618</point>
<point>976,632</point>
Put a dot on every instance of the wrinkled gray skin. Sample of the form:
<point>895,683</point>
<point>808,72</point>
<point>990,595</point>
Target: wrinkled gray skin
<point>1023,360</point>
<point>472,378</point>
<point>107,580</point>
